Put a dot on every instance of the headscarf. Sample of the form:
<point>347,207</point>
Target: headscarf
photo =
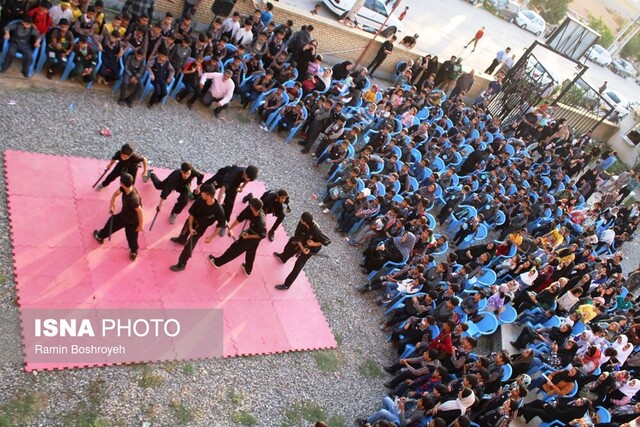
<point>405,247</point>
<point>461,403</point>
<point>623,347</point>
<point>630,388</point>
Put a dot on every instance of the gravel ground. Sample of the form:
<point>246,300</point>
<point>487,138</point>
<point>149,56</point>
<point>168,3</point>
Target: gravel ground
<point>62,118</point>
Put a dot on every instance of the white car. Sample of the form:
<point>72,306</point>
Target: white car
<point>599,55</point>
<point>372,14</point>
<point>619,102</point>
<point>531,21</point>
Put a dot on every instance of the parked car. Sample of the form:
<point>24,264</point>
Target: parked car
<point>509,11</point>
<point>619,102</point>
<point>531,21</point>
<point>372,14</point>
<point>540,74</point>
<point>622,68</point>
<point>599,55</point>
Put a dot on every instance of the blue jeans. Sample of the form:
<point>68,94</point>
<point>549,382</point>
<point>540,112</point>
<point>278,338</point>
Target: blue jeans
<point>389,412</point>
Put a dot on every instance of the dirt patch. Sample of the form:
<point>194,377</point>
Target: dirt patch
<point>614,14</point>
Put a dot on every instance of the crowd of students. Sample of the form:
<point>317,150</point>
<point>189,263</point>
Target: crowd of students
<point>401,160</point>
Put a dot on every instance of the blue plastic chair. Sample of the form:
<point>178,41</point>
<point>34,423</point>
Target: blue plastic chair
<point>295,129</point>
<point>507,371</point>
<point>488,325</point>
<point>508,314</point>
<point>604,416</point>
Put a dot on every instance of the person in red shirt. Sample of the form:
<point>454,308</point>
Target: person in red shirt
<point>475,39</point>
<point>41,18</point>
<point>404,13</point>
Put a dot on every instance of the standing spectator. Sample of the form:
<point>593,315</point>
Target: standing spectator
<point>451,77</point>
<point>404,13</point>
<point>62,10</point>
<point>161,73</point>
<point>231,26</point>
<point>189,7</point>
<point>509,62</point>
<point>137,8</point>
<point>463,84</point>
<point>298,41</point>
<point>41,19</point>
<point>23,37</point>
<point>445,70</point>
<point>383,52</point>
<point>475,39</point>
<point>602,88</point>
<point>499,59</point>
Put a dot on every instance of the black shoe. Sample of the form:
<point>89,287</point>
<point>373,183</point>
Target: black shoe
<point>304,151</point>
<point>361,422</point>
<point>120,102</point>
<point>177,267</point>
<point>25,75</point>
<point>222,231</point>
<point>279,256</point>
<point>388,369</point>
<point>129,103</point>
<point>178,240</point>
<point>247,198</point>
<point>190,105</point>
<point>514,344</point>
<point>388,385</point>
<point>282,287</point>
<point>244,268</point>
<point>271,236</point>
<point>364,288</point>
<point>49,74</point>
<point>212,259</point>
<point>96,235</point>
<point>133,256</point>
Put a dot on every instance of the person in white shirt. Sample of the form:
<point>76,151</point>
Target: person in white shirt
<point>244,36</point>
<point>509,62</point>
<point>63,10</point>
<point>231,26</point>
<point>220,92</point>
<point>499,59</point>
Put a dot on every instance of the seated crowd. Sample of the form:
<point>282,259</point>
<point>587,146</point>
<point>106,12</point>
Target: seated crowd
<point>418,180</point>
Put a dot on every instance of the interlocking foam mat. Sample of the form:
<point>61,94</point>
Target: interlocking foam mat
<point>53,212</point>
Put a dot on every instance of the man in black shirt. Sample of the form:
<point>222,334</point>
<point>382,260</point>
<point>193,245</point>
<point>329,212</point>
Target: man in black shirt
<point>131,217</point>
<point>383,52</point>
<point>249,238</point>
<point>204,212</point>
<point>231,180</point>
<point>128,161</point>
<point>306,242</point>
<point>273,203</point>
<point>180,181</point>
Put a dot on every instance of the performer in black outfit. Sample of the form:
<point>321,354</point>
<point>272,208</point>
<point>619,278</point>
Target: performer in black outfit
<point>231,180</point>
<point>204,212</point>
<point>249,238</point>
<point>273,203</point>
<point>128,161</point>
<point>180,181</point>
<point>306,242</point>
<point>131,217</point>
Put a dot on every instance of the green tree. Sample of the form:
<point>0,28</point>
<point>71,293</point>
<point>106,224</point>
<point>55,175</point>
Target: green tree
<point>632,49</point>
<point>553,11</point>
<point>606,36</point>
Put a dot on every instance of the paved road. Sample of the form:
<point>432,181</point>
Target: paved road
<point>446,26</point>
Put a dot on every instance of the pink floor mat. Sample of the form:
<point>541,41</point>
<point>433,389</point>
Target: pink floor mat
<point>58,264</point>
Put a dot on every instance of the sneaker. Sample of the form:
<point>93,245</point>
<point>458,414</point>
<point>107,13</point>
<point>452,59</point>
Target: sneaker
<point>223,230</point>
<point>49,74</point>
<point>133,256</point>
<point>129,103</point>
<point>96,235</point>
<point>321,204</point>
<point>244,268</point>
<point>178,240</point>
<point>172,218</point>
<point>279,256</point>
<point>282,287</point>
<point>177,267</point>
<point>99,187</point>
<point>326,210</point>
<point>271,236</point>
<point>212,259</point>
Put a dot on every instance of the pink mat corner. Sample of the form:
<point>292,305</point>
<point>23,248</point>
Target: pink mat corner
<point>59,264</point>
